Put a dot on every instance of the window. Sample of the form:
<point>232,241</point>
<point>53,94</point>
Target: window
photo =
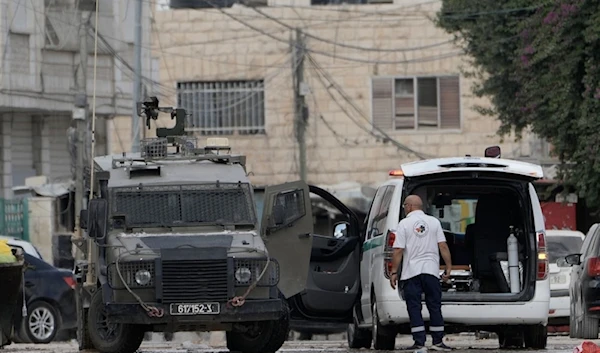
<point>223,108</point>
<point>416,103</point>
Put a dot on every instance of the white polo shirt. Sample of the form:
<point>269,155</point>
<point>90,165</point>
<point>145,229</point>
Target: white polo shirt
<point>419,234</point>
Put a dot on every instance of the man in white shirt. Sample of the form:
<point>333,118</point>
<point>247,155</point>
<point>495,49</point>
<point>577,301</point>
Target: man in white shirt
<point>419,241</point>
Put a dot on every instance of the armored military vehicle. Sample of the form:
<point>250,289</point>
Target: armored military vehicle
<point>173,244</point>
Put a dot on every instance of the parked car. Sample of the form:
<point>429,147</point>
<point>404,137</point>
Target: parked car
<point>27,247</point>
<point>50,298</point>
<point>560,244</point>
<point>480,202</point>
<point>584,288</point>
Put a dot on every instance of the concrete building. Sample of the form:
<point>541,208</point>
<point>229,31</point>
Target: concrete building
<point>383,86</point>
<point>38,81</point>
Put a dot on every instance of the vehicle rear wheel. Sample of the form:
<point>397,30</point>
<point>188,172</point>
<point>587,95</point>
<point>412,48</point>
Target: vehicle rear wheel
<point>358,337</point>
<point>536,337</point>
<point>41,323</point>
<point>509,340</point>
<point>384,338</point>
<point>109,337</point>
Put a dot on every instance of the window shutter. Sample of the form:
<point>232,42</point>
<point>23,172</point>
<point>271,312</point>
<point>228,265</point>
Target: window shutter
<point>383,102</point>
<point>450,102</point>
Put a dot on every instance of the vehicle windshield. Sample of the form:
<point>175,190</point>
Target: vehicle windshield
<point>561,246</point>
<point>184,205</point>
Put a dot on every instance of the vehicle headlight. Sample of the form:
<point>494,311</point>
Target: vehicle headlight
<point>143,277</point>
<point>243,275</point>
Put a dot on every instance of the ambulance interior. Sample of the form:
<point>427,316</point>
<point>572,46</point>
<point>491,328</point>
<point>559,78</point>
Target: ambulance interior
<point>478,217</point>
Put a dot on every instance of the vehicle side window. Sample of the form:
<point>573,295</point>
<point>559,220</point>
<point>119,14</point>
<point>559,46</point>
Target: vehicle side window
<point>379,220</point>
<point>374,211</point>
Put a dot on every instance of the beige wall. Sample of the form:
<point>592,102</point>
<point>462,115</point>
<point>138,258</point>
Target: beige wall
<point>206,45</point>
<point>41,225</point>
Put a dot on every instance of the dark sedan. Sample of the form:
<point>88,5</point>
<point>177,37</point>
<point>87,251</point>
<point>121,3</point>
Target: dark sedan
<point>584,289</point>
<point>50,298</point>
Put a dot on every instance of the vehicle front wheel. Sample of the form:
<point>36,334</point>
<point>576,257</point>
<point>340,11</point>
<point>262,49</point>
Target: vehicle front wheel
<point>358,337</point>
<point>384,337</point>
<point>41,323</point>
<point>109,337</point>
<point>260,336</point>
<point>536,337</point>
<point>589,326</point>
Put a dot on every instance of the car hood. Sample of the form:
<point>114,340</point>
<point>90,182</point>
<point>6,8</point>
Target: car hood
<point>152,243</point>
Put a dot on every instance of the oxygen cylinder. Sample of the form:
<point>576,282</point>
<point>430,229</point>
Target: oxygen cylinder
<point>513,262</point>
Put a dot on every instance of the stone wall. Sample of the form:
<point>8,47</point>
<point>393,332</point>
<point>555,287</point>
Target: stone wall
<point>210,45</point>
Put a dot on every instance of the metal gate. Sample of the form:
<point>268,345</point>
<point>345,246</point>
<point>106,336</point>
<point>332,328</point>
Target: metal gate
<point>14,220</point>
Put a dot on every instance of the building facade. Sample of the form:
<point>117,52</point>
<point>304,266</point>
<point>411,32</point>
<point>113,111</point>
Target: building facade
<point>379,85</point>
<point>39,76</point>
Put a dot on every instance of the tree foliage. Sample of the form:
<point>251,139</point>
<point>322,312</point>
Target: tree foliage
<point>538,62</point>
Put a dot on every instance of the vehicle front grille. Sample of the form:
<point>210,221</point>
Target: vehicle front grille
<point>193,281</point>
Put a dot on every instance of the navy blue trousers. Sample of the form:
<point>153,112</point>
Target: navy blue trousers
<point>413,289</point>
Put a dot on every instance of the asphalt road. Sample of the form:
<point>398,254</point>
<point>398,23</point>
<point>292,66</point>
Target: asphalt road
<point>191,343</point>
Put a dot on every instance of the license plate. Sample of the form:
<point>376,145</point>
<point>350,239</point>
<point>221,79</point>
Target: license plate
<point>195,309</point>
<point>560,279</point>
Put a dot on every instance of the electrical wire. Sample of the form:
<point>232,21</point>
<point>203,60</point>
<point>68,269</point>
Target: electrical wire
<point>335,43</point>
<point>324,53</point>
<point>323,75</point>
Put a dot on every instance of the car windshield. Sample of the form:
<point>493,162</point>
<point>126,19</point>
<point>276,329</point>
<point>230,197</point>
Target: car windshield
<point>184,205</point>
<point>561,246</point>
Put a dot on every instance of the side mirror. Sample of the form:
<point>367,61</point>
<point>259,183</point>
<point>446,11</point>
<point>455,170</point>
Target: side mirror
<point>340,230</point>
<point>97,218</point>
<point>573,259</point>
<point>83,219</point>
<point>493,152</point>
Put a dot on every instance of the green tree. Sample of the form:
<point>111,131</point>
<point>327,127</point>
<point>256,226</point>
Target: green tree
<point>538,63</point>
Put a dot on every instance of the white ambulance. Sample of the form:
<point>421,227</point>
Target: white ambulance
<point>480,203</point>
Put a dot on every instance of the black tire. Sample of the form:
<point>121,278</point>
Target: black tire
<point>589,326</point>
<point>125,338</point>
<point>254,340</point>
<point>384,338</point>
<point>510,340</point>
<point>536,337</point>
<point>358,337</point>
<point>42,323</point>
<point>281,330</point>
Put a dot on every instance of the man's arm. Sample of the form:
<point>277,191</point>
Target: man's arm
<point>445,251</point>
<point>396,259</point>
<point>399,245</point>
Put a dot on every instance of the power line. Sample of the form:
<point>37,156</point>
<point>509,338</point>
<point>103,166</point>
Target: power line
<point>420,60</point>
<point>321,39</point>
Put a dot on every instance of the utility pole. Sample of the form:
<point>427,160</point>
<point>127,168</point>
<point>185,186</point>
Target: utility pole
<point>137,82</point>
<point>80,115</point>
<point>300,108</point>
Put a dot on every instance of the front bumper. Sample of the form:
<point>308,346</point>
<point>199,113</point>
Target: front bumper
<point>252,310</point>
